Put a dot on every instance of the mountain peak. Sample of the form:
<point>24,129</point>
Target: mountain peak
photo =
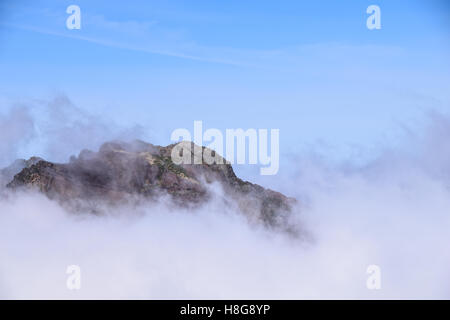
<point>122,171</point>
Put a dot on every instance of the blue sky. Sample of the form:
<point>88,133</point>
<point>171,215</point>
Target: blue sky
<point>311,69</point>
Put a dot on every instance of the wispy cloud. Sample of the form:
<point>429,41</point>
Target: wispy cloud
<point>124,46</point>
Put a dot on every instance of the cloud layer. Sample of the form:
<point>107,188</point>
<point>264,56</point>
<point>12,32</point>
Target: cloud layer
<point>392,212</point>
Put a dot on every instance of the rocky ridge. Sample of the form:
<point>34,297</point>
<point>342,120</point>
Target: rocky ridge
<point>123,172</point>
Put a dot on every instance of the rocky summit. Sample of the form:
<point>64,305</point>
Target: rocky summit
<point>121,172</point>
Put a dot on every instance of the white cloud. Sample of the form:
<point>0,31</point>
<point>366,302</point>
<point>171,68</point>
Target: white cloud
<point>393,213</point>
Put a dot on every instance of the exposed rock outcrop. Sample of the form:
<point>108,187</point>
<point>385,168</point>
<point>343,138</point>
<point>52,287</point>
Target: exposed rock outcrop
<point>120,172</point>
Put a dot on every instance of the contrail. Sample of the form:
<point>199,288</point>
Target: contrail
<point>113,44</point>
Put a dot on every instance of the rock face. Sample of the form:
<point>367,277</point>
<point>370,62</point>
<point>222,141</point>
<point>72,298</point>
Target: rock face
<point>8,173</point>
<point>120,172</point>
